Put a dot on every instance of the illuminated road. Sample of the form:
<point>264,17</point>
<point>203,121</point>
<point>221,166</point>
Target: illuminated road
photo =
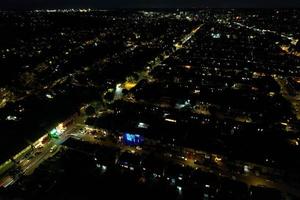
<point>282,82</point>
<point>28,167</point>
<point>292,39</point>
<point>46,152</point>
<point>144,73</point>
<point>31,158</point>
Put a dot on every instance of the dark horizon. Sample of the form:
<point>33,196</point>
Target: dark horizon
<point>135,4</point>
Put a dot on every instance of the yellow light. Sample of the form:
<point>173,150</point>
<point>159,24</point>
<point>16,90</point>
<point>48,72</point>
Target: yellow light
<point>271,94</point>
<point>217,159</point>
<point>178,46</point>
<point>60,127</point>
<point>129,85</point>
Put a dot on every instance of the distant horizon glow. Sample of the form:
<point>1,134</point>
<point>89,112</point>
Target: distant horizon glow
<point>98,4</point>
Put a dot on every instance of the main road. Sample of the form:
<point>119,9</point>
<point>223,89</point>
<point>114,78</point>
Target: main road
<point>32,157</point>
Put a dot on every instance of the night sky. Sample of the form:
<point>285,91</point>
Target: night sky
<point>33,4</point>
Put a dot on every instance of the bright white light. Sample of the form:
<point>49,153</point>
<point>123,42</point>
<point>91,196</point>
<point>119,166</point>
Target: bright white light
<point>49,96</point>
<point>143,125</point>
<point>246,169</point>
<point>11,118</point>
<point>118,91</point>
<point>171,120</point>
<point>188,66</point>
<point>196,91</point>
<point>216,35</point>
<point>179,189</point>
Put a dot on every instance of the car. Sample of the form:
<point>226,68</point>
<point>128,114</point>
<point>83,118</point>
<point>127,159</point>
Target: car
<point>53,149</point>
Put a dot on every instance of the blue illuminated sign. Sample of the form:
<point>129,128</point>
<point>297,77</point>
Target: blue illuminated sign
<point>133,139</point>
